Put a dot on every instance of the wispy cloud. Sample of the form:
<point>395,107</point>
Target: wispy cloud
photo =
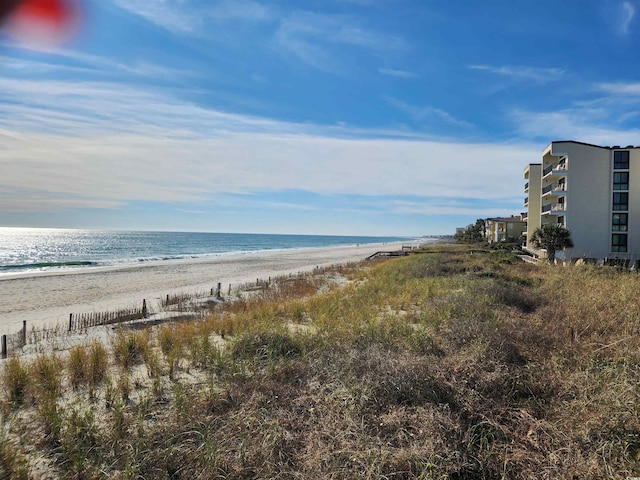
<point>627,14</point>
<point>591,125</point>
<point>473,207</point>
<point>533,74</point>
<point>620,88</point>
<point>607,115</point>
<point>169,14</point>
<point>240,9</point>
<point>397,73</point>
<point>426,113</point>
<point>320,40</point>
<point>89,66</point>
<point>180,17</point>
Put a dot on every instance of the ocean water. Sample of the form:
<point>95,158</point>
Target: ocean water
<point>25,250</point>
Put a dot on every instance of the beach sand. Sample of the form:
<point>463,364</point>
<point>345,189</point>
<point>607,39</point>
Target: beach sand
<point>45,299</point>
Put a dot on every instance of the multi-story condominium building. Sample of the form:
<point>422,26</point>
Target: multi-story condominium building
<point>502,229</point>
<point>594,191</point>
<point>533,177</point>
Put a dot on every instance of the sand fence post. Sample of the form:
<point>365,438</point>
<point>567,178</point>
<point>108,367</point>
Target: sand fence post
<point>70,321</point>
<point>4,346</point>
<point>24,332</point>
<point>144,308</point>
<point>219,290</point>
<point>229,290</point>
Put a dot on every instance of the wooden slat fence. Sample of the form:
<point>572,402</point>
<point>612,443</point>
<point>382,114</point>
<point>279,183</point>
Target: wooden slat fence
<point>82,321</point>
<point>13,341</point>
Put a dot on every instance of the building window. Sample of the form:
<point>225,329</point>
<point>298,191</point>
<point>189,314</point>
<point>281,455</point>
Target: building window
<point>618,242</point>
<point>619,222</point>
<point>620,201</point>
<point>621,180</point>
<point>621,160</point>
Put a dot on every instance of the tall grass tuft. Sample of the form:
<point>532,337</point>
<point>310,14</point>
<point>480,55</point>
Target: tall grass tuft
<point>46,371</point>
<point>77,366</point>
<point>129,348</point>
<point>15,379</point>
<point>98,363</point>
<point>80,445</point>
<point>13,464</point>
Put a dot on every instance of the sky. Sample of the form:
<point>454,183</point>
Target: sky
<point>354,117</point>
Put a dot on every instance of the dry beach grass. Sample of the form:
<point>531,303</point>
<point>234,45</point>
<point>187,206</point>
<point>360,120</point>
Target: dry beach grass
<point>442,365</point>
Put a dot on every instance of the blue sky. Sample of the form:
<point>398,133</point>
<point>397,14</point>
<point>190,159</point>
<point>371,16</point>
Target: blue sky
<point>373,117</point>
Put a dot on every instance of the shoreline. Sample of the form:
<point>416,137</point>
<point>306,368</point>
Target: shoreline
<point>96,267</point>
<point>47,298</point>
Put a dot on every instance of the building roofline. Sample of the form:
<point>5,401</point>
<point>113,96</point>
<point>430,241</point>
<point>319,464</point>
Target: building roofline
<point>615,147</point>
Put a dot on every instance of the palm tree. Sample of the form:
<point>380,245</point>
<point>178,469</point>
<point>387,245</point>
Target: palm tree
<point>551,237</point>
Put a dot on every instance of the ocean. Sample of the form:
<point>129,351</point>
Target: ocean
<point>25,250</point>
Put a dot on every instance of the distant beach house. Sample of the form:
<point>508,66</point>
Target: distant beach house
<point>503,229</point>
<point>592,190</point>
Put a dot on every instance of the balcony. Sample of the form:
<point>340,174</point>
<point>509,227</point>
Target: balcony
<point>526,201</point>
<point>526,187</point>
<point>554,190</point>
<point>553,208</point>
<point>557,170</point>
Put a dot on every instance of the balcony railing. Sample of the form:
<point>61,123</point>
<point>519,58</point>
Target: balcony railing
<point>526,201</point>
<point>526,186</point>
<point>554,207</point>
<point>561,187</point>
<point>561,167</point>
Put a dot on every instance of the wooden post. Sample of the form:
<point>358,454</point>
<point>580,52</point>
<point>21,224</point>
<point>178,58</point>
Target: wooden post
<point>144,308</point>
<point>24,332</point>
<point>229,289</point>
<point>167,299</point>
<point>70,321</point>
<point>212,292</point>
<point>4,346</point>
<point>219,290</point>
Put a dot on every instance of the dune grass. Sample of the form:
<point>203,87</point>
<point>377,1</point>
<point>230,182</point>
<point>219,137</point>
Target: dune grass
<point>443,365</point>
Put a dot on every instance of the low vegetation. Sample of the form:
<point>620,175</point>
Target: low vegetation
<point>445,365</point>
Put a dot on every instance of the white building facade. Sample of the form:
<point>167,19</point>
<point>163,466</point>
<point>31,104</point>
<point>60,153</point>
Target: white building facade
<point>592,190</point>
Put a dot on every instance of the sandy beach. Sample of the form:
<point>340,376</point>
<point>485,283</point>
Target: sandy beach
<point>48,298</point>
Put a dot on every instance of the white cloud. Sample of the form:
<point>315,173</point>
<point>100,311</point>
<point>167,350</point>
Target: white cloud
<point>426,113</point>
<point>130,167</point>
<point>183,17</point>
<point>433,208</point>
<point>537,75</point>
<point>573,124</point>
<point>620,88</point>
<point>397,73</point>
<point>167,14</point>
<point>106,143</point>
<point>240,9</point>
<point>627,14</point>
<point>320,40</point>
